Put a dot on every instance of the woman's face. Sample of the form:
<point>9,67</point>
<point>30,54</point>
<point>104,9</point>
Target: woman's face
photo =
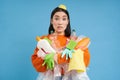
<point>59,22</point>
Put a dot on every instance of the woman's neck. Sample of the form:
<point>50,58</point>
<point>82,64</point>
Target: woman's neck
<point>58,33</point>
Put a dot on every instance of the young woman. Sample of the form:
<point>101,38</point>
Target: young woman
<point>54,65</point>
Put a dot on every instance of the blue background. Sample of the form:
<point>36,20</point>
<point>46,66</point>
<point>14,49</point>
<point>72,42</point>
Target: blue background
<point>22,20</point>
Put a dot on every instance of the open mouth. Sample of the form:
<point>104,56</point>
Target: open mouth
<point>59,27</point>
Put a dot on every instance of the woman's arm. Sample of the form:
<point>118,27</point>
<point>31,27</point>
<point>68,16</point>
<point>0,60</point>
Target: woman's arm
<point>86,57</point>
<point>37,62</point>
<point>84,43</point>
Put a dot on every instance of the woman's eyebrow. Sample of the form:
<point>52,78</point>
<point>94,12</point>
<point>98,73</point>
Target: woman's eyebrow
<point>59,16</point>
<point>56,16</point>
<point>64,16</point>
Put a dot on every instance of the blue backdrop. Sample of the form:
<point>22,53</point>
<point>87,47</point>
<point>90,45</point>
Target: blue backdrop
<point>22,20</point>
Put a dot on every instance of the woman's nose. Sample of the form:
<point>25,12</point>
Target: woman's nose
<point>60,22</point>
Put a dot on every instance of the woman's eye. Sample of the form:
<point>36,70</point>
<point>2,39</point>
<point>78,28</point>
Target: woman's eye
<point>64,19</point>
<point>56,18</point>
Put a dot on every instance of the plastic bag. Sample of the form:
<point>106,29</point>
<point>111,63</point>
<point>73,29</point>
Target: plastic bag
<point>48,75</point>
<point>79,76</point>
<point>74,75</point>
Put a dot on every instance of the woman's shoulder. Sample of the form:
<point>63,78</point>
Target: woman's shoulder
<point>42,37</point>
